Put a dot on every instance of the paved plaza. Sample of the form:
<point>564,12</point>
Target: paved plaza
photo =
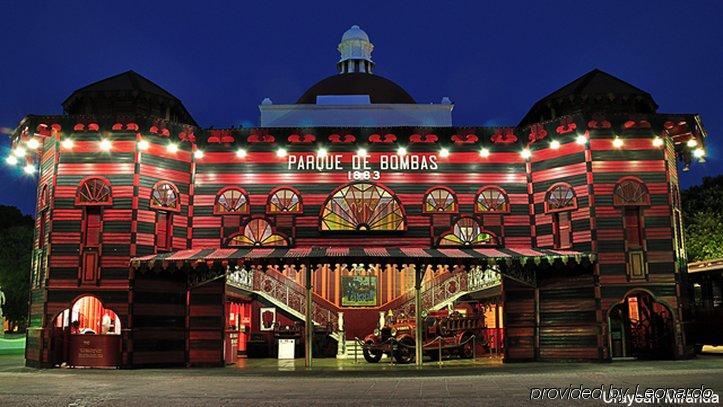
<point>331,382</point>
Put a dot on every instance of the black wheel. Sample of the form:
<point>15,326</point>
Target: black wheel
<point>405,351</point>
<point>466,351</point>
<point>372,356</point>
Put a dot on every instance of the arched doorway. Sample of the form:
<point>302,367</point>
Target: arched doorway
<point>641,327</point>
<point>87,329</point>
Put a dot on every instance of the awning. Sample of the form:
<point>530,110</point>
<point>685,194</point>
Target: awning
<point>362,254</point>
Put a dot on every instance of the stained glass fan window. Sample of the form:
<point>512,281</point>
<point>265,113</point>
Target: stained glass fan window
<point>231,201</point>
<point>630,192</point>
<point>559,198</point>
<point>259,233</point>
<point>362,207</point>
<point>491,200</point>
<point>440,200</point>
<point>93,191</point>
<point>165,196</point>
<point>284,200</point>
<point>467,232</point>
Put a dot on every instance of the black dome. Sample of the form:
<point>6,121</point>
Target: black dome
<point>379,89</point>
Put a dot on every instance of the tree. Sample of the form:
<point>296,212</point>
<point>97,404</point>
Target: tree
<point>16,245</point>
<point>703,217</point>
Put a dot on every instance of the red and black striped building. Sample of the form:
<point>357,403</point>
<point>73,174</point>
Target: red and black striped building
<point>174,237</point>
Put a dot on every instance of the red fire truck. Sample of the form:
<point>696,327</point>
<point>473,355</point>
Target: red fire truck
<point>445,332</point>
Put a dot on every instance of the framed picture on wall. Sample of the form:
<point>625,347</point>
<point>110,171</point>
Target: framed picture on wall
<point>358,291</point>
<point>267,318</point>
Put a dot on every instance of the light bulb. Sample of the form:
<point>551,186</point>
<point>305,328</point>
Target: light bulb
<point>67,143</point>
<point>526,153</point>
<point>172,148</point>
<point>618,142</point>
<point>657,141</point>
<point>581,139</point>
<point>105,144</point>
<point>29,169</point>
<point>143,145</point>
<point>484,152</point>
<point>554,144</point>
<point>198,154</point>
<point>692,143</point>
<point>240,153</point>
<point>33,144</point>
<point>444,152</point>
<point>11,160</point>
<point>322,152</point>
<point>281,152</point>
<point>699,153</point>
<point>362,152</point>
<point>401,151</point>
<point>19,152</point>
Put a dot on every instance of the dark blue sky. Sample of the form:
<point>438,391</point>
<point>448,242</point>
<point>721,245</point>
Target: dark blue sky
<point>492,60</point>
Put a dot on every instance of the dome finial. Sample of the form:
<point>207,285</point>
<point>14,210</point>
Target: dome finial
<point>356,51</point>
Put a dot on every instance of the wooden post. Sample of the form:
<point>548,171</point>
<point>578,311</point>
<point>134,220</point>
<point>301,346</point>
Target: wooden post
<point>418,276</point>
<point>309,322</point>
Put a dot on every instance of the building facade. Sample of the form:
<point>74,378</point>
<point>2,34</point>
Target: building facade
<point>179,246</point>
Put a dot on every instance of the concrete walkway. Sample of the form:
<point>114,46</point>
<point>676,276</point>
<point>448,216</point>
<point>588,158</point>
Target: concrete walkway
<point>331,382</point>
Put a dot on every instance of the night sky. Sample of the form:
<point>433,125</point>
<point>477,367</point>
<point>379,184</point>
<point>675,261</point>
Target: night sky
<point>493,61</point>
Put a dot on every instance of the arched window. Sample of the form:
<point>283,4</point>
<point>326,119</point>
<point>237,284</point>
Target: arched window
<point>284,200</point>
<point>559,198</point>
<point>231,201</point>
<point>258,232</point>
<point>466,231</point>
<point>559,201</point>
<point>440,200</point>
<point>166,199</point>
<point>165,196</point>
<point>362,206</point>
<point>491,200</point>
<point>631,195</point>
<point>94,191</point>
<point>630,191</point>
<point>43,197</point>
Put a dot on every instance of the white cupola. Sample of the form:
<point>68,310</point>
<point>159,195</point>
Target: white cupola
<point>356,52</point>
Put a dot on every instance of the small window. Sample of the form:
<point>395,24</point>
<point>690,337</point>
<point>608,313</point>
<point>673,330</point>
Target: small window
<point>258,232</point>
<point>562,230</point>
<point>560,197</point>
<point>43,198</point>
<point>491,200</point>
<point>284,200</point>
<point>440,200</point>
<point>231,201</point>
<point>165,196</point>
<point>633,227</point>
<point>94,191</point>
<point>631,192</point>
<point>164,230</point>
<point>467,231</point>
<point>92,232</point>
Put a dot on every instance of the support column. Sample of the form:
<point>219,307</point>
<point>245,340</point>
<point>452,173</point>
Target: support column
<point>418,277</point>
<point>309,322</point>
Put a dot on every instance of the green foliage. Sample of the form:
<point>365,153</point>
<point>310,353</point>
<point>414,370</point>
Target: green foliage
<point>703,218</point>
<point>16,244</point>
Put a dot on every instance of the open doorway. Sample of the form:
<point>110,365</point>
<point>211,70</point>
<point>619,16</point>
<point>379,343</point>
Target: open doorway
<point>641,327</point>
<point>86,334</point>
